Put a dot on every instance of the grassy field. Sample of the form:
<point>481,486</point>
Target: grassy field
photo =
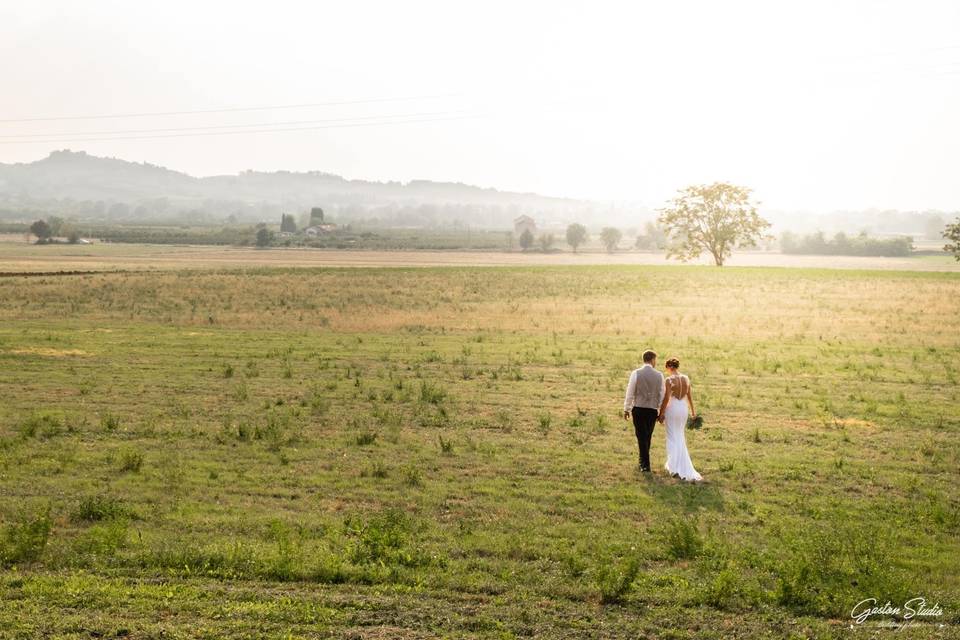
<point>424,452</point>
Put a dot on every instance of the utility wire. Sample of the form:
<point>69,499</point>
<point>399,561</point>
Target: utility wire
<point>228,109</point>
<point>274,130</point>
<point>231,126</point>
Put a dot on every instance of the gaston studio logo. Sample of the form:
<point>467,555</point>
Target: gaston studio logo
<point>914,608</point>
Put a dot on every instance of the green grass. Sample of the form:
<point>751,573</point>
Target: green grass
<point>438,452</point>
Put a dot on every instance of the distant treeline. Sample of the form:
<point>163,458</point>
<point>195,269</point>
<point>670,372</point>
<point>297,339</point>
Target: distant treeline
<point>843,245</point>
<point>345,237</point>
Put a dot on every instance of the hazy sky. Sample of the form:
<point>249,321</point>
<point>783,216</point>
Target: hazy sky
<point>816,105</point>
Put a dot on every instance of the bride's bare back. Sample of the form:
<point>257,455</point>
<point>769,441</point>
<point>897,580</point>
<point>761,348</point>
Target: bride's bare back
<point>678,386</point>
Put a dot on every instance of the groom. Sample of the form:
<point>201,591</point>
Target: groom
<point>642,402</point>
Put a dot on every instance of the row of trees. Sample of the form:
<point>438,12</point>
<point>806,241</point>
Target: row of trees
<point>705,218</point>
<point>47,230</point>
<point>576,236</point>
<point>843,245</point>
<point>720,217</point>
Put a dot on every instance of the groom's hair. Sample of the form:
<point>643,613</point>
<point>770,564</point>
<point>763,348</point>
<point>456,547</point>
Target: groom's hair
<point>649,356</point>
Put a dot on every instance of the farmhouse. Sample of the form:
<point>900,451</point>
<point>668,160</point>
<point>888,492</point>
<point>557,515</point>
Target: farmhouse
<point>319,229</point>
<point>524,223</point>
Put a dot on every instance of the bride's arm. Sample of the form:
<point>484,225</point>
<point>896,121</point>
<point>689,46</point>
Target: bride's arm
<point>693,412</point>
<point>665,401</point>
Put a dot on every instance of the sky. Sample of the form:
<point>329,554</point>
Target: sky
<point>816,106</point>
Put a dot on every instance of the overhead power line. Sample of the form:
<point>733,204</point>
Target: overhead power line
<point>228,109</point>
<point>248,131</point>
<point>230,126</point>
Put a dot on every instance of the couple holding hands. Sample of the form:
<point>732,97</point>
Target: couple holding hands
<point>652,398</point>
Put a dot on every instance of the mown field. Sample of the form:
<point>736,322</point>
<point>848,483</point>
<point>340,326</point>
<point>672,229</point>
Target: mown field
<point>437,452</point>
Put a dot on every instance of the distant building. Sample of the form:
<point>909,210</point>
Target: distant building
<point>524,223</point>
<point>319,230</point>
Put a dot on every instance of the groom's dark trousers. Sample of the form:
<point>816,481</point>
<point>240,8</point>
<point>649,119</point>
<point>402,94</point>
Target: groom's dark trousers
<point>644,420</point>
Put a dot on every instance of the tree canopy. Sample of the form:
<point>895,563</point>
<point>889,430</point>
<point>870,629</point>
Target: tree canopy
<point>288,224</point>
<point>576,235</point>
<point>42,230</point>
<point>546,241</point>
<point>610,237</point>
<point>952,235</point>
<point>713,218</point>
<point>526,239</point>
<point>264,237</point>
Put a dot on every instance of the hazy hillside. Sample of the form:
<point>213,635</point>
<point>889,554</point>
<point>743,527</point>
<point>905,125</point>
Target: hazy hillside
<point>76,185</point>
<point>84,186</point>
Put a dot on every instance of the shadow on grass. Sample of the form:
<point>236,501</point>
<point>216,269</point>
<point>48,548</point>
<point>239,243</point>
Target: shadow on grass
<point>685,496</point>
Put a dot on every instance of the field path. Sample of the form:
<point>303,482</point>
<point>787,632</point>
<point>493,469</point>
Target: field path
<point>22,257</point>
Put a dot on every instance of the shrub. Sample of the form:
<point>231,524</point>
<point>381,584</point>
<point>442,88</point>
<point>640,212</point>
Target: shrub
<point>103,539</point>
<point>366,438</point>
<point>110,422</point>
<point>820,570</point>
<point>615,579</point>
<point>383,540</point>
<point>683,539</point>
<point>99,507</point>
<point>131,461</point>
<point>40,424</point>
<point>378,470</point>
<point>543,423</point>
<point>431,394</point>
<point>287,561</point>
<point>412,476</point>
<point>446,446</point>
<point>25,539</point>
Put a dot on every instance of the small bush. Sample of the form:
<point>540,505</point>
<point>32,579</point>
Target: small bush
<point>615,579</point>
<point>383,540</point>
<point>110,422</point>
<point>103,539</point>
<point>131,461</point>
<point>543,423</point>
<point>375,470</point>
<point>25,539</point>
<point>412,476</point>
<point>446,446</point>
<point>99,507</point>
<point>40,425</point>
<point>431,394</point>
<point>683,540</point>
<point>820,570</point>
<point>366,438</point>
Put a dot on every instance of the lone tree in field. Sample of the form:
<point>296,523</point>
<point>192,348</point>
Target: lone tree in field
<point>576,235</point>
<point>952,233</point>
<point>264,237</point>
<point>610,237</point>
<point>713,218</point>
<point>546,241</point>
<point>42,230</point>
<point>526,239</point>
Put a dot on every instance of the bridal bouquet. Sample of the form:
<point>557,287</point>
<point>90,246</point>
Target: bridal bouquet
<point>695,423</point>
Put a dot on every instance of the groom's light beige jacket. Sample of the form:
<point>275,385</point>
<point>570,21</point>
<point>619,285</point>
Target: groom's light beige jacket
<point>645,389</point>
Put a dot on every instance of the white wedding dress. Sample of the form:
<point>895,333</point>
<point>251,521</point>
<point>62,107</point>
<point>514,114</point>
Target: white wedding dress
<point>675,419</point>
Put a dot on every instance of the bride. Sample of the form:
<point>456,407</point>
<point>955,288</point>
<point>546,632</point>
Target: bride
<point>673,412</point>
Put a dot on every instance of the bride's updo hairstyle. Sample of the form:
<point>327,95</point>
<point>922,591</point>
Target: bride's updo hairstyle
<point>673,363</point>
